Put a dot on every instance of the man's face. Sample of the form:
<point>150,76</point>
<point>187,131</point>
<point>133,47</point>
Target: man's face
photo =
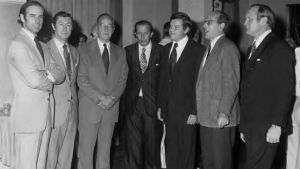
<point>253,26</point>
<point>33,19</point>
<point>211,27</point>
<point>177,31</point>
<point>63,28</point>
<point>143,34</point>
<point>105,29</point>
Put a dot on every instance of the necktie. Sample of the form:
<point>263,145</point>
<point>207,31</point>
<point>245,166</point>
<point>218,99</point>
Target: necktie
<point>253,48</point>
<point>173,58</point>
<point>207,54</point>
<point>105,58</point>
<point>143,60</point>
<point>68,61</point>
<point>39,47</point>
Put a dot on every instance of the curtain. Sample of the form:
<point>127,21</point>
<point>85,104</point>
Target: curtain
<point>84,12</point>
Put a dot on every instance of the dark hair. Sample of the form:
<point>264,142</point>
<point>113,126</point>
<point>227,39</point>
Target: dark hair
<point>187,23</point>
<point>223,18</point>
<point>24,8</point>
<point>143,22</point>
<point>105,15</point>
<point>166,29</point>
<point>265,11</point>
<point>61,14</point>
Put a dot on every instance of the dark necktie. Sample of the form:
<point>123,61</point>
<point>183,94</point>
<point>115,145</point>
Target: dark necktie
<point>143,60</point>
<point>173,58</point>
<point>105,58</point>
<point>68,61</point>
<point>39,47</point>
<point>253,48</point>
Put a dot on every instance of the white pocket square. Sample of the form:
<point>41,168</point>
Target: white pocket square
<point>156,64</point>
<point>258,60</point>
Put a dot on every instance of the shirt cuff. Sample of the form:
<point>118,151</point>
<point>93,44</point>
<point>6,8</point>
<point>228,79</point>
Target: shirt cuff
<point>50,77</point>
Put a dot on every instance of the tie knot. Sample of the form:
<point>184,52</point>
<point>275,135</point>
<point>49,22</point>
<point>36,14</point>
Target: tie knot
<point>143,50</point>
<point>36,39</point>
<point>175,45</point>
<point>105,46</point>
<point>65,46</point>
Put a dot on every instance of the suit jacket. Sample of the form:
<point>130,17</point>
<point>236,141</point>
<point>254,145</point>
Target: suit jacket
<point>65,94</point>
<point>94,83</point>
<point>218,85</point>
<point>32,88</point>
<point>267,86</point>
<point>177,95</point>
<point>137,80</point>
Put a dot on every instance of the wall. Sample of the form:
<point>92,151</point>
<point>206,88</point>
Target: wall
<point>155,11</point>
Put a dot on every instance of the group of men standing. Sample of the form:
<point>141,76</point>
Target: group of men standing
<point>180,85</point>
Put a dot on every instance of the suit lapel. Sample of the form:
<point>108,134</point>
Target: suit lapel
<point>259,50</point>
<point>32,47</point>
<point>152,56</point>
<point>136,60</point>
<point>96,54</point>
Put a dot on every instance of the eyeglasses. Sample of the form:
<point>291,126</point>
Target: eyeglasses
<point>209,22</point>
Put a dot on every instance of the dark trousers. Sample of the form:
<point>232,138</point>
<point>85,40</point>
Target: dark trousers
<point>259,153</point>
<point>180,144</point>
<point>217,147</point>
<point>143,136</point>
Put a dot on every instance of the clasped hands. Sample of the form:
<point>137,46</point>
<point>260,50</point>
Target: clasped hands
<point>106,102</point>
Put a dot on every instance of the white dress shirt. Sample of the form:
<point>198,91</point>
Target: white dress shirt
<point>181,44</point>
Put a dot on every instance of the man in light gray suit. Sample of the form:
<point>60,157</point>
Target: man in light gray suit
<point>65,94</point>
<point>102,76</point>
<point>33,73</point>
<point>217,94</point>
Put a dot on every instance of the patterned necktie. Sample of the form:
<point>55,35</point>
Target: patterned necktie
<point>173,58</point>
<point>253,48</point>
<point>143,60</point>
<point>39,47</point>
<point>68,61</point>
<point>105,58</point>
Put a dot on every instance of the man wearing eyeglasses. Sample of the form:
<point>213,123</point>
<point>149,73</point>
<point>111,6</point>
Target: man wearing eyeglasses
<point>102,76</point>
<point>267,88</point>
<point>217,94</point>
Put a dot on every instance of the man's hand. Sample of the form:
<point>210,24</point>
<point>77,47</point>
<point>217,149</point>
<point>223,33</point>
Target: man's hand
<point>106,102</point>
<point>222,120</point>
<point>273,134</point>
<point>159,115</point>
<point>192,119</point>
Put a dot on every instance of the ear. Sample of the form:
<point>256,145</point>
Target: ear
<point>22,17</point>
<point>264,20</point>
<point>53,27</point>
<point>222,26</point>
<point>186,30</point>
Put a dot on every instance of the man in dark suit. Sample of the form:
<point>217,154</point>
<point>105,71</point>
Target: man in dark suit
<point>217,94</point>
<point>267,89</point>
<point>65,94</point>
<point>101,79</point>
<point>143,129</point>
<point>177,96</point>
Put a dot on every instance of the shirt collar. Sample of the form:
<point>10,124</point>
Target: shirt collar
<point>181,42</point>
<point>59,43</point>
<point>262,37</point>
<point>148,46</point>
<point>29,34</point>
<point>100,43</point>
<point>214,41</point>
